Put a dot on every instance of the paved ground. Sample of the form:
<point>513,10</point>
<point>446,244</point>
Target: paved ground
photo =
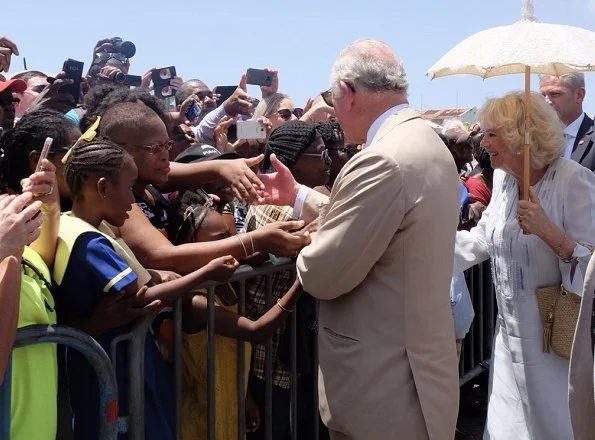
<point>472,408</point>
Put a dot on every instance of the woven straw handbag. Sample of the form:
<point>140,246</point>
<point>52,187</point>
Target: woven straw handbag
<point>559,311</point>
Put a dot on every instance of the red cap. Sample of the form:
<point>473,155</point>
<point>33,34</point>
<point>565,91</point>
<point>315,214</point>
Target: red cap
<point>15,85</point>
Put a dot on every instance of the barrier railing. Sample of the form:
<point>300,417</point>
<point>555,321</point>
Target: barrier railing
<point>77,340</point>
<point>475,355</point>
<point>475,358</point>
<point>477,347</point>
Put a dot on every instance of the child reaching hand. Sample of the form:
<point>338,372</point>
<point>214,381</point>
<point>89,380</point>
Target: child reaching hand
<point>102,287</point>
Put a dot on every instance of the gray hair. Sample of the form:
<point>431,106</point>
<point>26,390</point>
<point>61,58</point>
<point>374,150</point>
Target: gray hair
<point>371,64</point>
<point>268,105</point>
<point>571,80</point>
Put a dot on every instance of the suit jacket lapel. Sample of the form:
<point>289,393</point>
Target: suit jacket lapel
<point>583,129</point>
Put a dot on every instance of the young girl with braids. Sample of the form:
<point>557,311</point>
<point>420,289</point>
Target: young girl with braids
<point>95,271</point>
<point>199,220</point>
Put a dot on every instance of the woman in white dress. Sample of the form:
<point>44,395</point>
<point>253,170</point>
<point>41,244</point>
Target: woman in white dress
<point>531,244</point>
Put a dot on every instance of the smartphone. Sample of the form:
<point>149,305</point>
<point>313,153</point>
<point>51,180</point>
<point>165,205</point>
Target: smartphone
<point>251,130</point>
<point>193,112</point>
<point>259,77</point>
<point>133,80</point>
<point>224,93</point>
<point>161,78</point>
<point>44,152</point>
<point>74,71</point>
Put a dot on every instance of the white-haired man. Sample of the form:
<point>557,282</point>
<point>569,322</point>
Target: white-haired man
<point>566,94</point>
<point>381,261</point>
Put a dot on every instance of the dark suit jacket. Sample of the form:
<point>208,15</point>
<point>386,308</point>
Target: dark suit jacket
<point>583,151</point>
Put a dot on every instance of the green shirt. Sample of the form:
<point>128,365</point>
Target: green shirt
<point>34,367</point>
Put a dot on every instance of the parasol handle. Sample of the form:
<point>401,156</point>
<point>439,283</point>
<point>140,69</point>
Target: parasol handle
<point>527,148</point>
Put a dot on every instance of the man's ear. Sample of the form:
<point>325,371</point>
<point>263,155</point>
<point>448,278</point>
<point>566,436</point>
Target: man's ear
<point>580,94</point>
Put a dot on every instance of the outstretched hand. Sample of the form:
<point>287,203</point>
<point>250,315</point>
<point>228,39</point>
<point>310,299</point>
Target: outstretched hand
<point>280,187</point>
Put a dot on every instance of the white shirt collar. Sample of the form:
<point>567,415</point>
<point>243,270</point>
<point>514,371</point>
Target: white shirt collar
<point>573,128</point>
<point>380,120</point>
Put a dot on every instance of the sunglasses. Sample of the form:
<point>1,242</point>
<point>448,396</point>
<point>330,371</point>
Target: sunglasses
<point>105,56</point>
<point>205,94</point>
<point>324,156</point>
<point>286,113</point>
<point>328,95</point>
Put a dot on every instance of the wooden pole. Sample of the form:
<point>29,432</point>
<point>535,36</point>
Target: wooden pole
<point>527,149</point>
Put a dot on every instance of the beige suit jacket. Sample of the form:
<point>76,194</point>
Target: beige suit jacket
<point>381,264</point>
<point>581,376</point>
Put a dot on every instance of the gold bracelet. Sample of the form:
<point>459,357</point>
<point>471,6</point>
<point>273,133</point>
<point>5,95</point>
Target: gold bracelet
<point>251,242</point>
<point>243,246</point>
<point>283,308</point>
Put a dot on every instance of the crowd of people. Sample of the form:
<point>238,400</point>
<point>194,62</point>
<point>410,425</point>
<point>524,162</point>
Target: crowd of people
<point>118,201</point>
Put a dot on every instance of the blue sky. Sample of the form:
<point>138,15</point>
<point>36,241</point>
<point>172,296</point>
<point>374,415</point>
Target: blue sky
<point>216,41</point>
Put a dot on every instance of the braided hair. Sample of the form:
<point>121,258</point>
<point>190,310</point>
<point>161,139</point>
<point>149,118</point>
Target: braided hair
<point>29,135</point>
<point>332,134</point>
<point>187,214</point>
<point>288,142</point>
<point>98,158</point>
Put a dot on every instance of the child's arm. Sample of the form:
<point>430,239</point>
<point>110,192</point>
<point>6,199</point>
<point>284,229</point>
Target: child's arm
<point>236,326</point>
<point>115,311</point>
<point>220,269</point>
<point>44,187</point>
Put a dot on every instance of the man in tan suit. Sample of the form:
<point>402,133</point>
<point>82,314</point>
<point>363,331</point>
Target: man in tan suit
<point>581,376</point>
<point>381,261</point>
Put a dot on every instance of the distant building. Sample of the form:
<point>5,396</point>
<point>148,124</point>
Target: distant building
<point>465,115</point>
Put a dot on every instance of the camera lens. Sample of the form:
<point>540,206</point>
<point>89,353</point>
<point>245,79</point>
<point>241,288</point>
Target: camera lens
<point>126,48</point>
<point>119,78</point>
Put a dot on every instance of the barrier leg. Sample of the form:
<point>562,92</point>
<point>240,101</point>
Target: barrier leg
<point>94,353</point>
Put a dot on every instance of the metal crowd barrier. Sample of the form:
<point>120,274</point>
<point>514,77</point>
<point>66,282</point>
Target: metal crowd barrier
<point>133,423</point>
<point>475,355</point>
<point>108,388</point>
<point>477,346</point>
<point>475,358</point>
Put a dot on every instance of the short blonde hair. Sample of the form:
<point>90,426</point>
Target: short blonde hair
<point>506,116</point>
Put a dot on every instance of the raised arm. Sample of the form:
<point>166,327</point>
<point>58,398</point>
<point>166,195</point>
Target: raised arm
<point>155,251</point>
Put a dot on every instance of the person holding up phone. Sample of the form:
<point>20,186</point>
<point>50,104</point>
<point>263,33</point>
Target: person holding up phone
<point>239,103</point>
<point>28,237</point>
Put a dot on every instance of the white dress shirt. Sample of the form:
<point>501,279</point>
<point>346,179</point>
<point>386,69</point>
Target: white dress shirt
<point>571,132</point>
<point>304,190</point>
